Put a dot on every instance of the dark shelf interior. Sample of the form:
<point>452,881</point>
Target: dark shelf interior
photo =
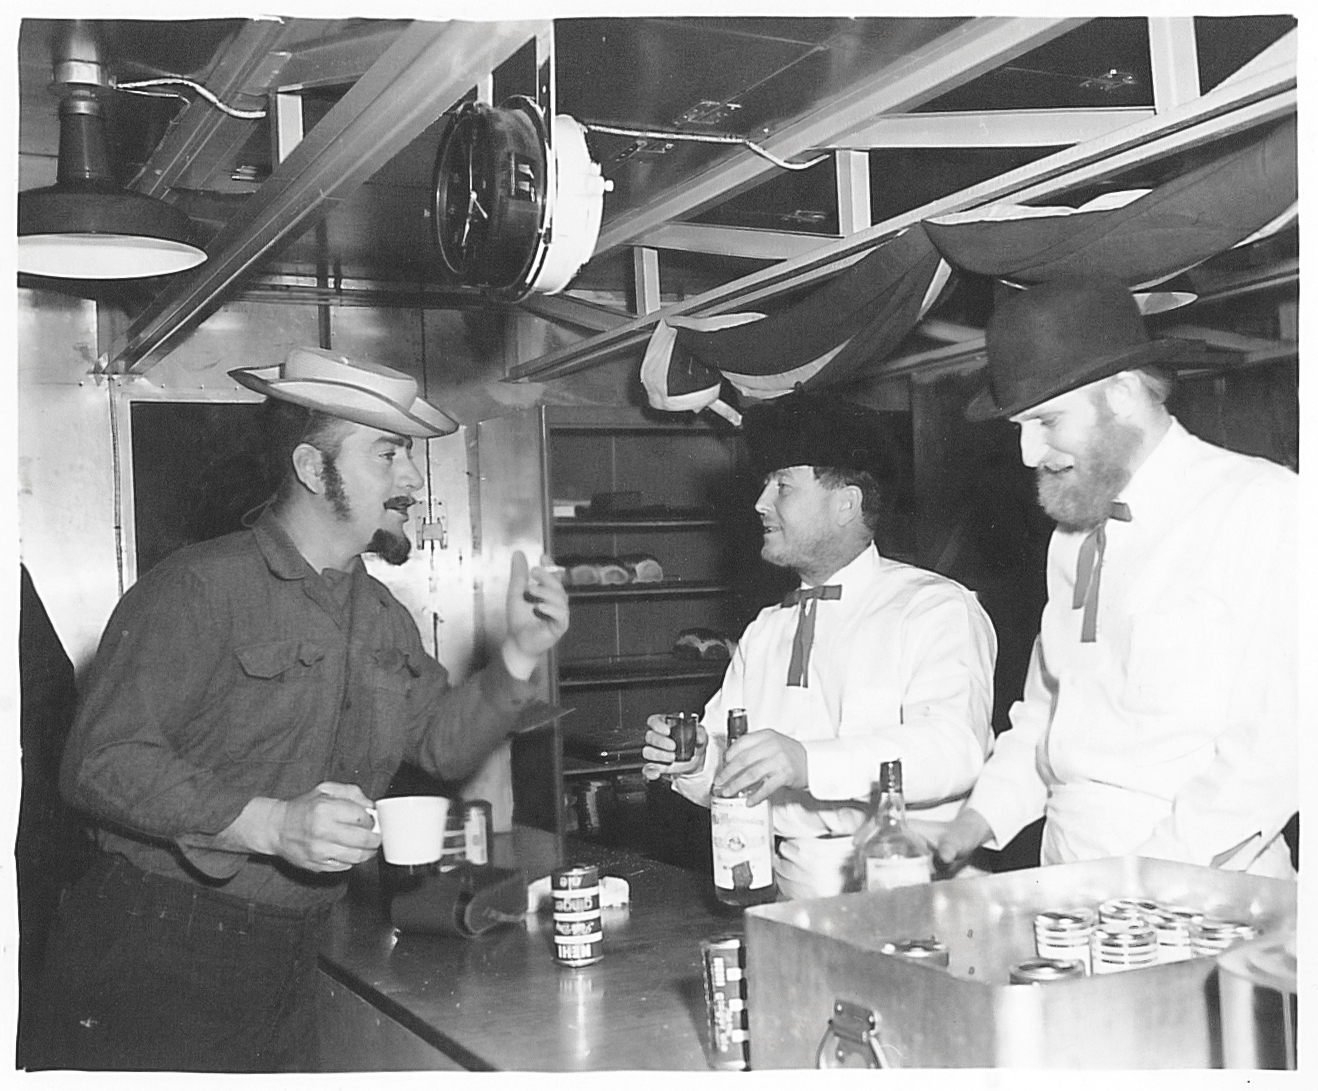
<point>636,669</point>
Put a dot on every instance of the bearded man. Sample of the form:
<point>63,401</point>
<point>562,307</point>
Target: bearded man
<point>1158,717</point>
<point>251,696</point>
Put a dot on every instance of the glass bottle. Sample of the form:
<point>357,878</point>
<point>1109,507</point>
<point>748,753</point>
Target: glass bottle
<point>891,855</point>
<point>742,839</point>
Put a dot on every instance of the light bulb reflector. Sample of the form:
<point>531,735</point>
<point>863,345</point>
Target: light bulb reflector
<point>102,256</point>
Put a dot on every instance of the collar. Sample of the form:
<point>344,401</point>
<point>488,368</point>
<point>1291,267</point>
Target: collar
<point>287,563</point>
<point>857,574</point>
<point>1156,484</point>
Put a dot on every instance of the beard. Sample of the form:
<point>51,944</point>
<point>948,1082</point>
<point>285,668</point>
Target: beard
<point>1078,498</point>
<point>389,547</point>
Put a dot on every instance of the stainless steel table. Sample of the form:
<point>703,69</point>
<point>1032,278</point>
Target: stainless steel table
<point>500,1001</point>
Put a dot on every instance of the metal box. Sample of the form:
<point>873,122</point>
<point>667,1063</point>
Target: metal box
<point>816,974</point>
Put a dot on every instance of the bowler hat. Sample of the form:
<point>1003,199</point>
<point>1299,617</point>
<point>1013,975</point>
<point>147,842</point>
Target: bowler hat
<point>365,393</point>
<point>813,428</point>
<point>1061,335</point>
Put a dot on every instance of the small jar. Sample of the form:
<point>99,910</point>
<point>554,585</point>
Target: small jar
<point>1063,934</point>
<point>1123,945</point>
<point>1213,935</point>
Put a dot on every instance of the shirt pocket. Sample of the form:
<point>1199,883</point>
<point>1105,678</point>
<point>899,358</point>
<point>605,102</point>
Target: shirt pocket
<point>283,685</point>
<point>392,676</point>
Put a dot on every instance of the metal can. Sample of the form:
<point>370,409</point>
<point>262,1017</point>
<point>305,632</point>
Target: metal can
<point>1042,971</point>
<point>478,828</point>
<point>1063,934</point>
<point>1123,945</point>
<point>724,959</point>
<point>1213,935</point>
<point>930,950</point>
<point>682,730</point>
<point>578,920</point>
<point>454,850</point>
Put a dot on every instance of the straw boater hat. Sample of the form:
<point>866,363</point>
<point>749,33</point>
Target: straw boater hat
<point>365,393</point>
<point>1059,336</point>
<point>814,428</point>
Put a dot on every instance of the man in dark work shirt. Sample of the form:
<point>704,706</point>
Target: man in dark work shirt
<point>250,697</point>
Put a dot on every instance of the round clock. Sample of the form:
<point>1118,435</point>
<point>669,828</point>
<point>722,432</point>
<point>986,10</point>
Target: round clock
<point>511,213</point>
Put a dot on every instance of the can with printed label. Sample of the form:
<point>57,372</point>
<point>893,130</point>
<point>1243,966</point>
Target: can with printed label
<point>578,920</point>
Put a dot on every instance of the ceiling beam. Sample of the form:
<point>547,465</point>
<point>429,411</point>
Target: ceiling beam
<point>1267,96</point>
<point>992,128</point>
<point>955,58</point>
<point>427,69</point>
<point>566,311</point>
<point>203,138</point>
<point>736,242</point>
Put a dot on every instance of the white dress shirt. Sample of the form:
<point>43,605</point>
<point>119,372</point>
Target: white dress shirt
<point>901,667</point>
<point>1173,734</point>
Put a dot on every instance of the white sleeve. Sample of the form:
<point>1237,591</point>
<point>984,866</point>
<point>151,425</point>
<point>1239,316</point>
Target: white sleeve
<point>1010,794</point>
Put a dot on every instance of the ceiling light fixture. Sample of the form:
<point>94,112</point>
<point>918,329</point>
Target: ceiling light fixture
<point>86,226</point>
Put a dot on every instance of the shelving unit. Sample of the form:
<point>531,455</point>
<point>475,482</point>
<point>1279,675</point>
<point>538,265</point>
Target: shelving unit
<point>616,666</point>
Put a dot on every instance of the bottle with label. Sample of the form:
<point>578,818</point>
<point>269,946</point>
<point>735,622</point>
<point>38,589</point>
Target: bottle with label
<point>891,855</point>
<point>742,839</point>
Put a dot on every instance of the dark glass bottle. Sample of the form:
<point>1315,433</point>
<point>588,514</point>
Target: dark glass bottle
<point>742,838</point>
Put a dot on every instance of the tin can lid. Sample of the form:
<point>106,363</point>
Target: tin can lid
<point>1035,971</point>
<point>1081,919</point>
<point>914,948</point>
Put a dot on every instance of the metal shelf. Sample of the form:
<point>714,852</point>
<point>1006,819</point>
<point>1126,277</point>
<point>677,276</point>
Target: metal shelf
<point>590,526</point>
<point>637,670</point>
<point>663,589</point>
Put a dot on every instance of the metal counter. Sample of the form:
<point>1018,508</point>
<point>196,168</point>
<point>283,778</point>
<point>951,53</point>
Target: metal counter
<point>500,1001</point>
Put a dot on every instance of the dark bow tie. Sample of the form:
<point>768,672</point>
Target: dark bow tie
<point>803,641</point>
<point>1089,569</point>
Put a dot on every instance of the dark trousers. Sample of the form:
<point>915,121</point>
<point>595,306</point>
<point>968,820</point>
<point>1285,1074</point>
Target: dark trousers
<point>148,973</point>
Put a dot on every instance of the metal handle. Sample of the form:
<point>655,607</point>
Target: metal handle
<point>855,1034</point>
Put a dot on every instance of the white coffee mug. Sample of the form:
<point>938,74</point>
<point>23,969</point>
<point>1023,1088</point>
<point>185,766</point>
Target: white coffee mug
<point>412,828</point>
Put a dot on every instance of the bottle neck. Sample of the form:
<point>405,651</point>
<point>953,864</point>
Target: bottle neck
<point>889,807</point>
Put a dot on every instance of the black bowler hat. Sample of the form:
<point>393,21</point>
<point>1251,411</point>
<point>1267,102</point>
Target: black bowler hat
<point>814,428</point>
<point>1061,335</point>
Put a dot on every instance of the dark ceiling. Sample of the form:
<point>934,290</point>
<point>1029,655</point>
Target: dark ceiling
<point>804,85</point>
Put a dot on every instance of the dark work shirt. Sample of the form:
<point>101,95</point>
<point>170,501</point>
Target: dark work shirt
<point>233,670</point>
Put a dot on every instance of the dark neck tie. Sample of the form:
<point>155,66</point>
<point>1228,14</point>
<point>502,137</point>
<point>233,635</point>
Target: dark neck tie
<point>808,597</point>
<point>1089,569</point>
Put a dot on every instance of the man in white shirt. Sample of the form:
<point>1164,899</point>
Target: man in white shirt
<point>889,661</point>
<point>1159,715</point>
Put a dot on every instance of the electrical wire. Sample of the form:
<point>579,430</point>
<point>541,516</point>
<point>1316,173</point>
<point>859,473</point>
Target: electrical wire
<point>135,87</point>
<point>703,138</point>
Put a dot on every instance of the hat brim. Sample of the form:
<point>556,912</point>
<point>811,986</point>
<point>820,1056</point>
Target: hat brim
<point>354,403</point>
<point>984,407</point>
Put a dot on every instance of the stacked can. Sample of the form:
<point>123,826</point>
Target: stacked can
<point>454,851</point>
<point>578,921</point>
<point>1064,934</point>
<point>1123,945</point>
<point>1127,909</point>
<point>478,830</point>
<point>1213,935</point>
<point>1172,924</point>
<point>725,1001</point>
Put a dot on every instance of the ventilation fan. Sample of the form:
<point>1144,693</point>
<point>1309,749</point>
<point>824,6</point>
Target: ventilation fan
<point>516,208</point>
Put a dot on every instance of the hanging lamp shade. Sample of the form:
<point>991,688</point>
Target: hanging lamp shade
<point>86,226</point>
